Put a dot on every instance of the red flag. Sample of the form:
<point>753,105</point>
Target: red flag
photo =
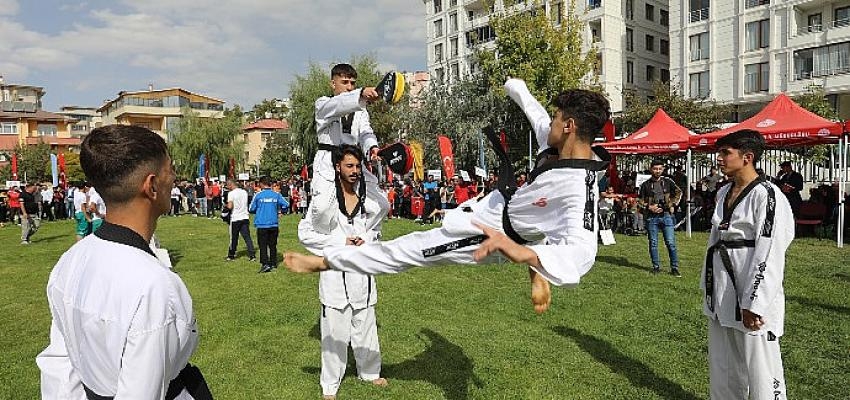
<point>389,175</point>
<point>63,180</point>
<point>503,139</point>
<point>447,155</point>
<point>609,131</point>
<point>232,172</point>
<point>14,167</point>
<point>304,173</point>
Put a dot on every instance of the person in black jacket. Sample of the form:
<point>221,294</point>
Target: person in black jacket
<point>657,198</point>
<point>790,182</point>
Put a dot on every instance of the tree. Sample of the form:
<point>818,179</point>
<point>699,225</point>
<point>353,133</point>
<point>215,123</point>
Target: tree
<point>815,101</point>
<point>698,115</point>
<point>219,139</point>
<point>275,107</point>
<point>315,83</point>
<point>278,159</point>
<point>33,162</point>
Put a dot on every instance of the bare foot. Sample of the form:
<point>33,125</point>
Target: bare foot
<point>541,294</point>
<point>382,382</point>
<point>303,263</point>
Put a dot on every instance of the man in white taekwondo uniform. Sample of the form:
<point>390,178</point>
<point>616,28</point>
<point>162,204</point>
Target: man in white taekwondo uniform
<point>123,325</point>
<point>752,227</point>
<point>555,212</point>
<point>341,119</point>
<point>348,299</point>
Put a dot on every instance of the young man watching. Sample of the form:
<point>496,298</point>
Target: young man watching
<point>554,214</point>
<point>751,228</point>
<point>81,211</point>
<point>348,299</point>
<point>30,213</point>
<point>657,198</point>
<point>237,203</point>
<point>267,205</point>
<point>122,323</point>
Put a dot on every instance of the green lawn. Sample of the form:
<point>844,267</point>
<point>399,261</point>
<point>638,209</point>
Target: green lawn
<point>453,332</point>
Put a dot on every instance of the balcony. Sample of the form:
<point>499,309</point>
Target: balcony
<point>18,106</point>
<point>756,3</point>
<point>699,15</point>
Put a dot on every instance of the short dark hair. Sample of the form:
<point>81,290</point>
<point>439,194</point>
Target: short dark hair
<point>344,70</point>
<point>111,154</point>
<point>656,161</point>
<point>265,180</point>
<point>347,149</point>
<point>785,164</point>
<point>745,140</point>
<point>589,109</point>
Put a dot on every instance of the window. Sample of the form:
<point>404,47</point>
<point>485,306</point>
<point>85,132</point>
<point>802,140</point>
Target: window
<point>699,46</point>
<point>630,9</point>
<point>699,85</point>
<point>650,43</point>
<point>265,136</point>
<point>482,34</point>
<point>665,75</point>
<point>438,6</point>
<point>441,75</point>
<point>758,34</point>
<point>47,129</point>
<point>594,4</point>
<point>650,12</point>
<point>630,39</point>
<point>756,77</point>
<point>438,28</point>
<point>814,23</point>
<point>699,10</point>
<point>8,128</point>
<point>842,17</point>
<point>821,61</point>
<point>630,71</point>
<point>452,22</point>
<point>665,47</point>
<point>470,15</point>
<point>756,3</point>
<point>438,52</point>
<point>557,13</point>
<point>455,68</point>
<point>452,3</point>
<point>650,73</point>
<point>453,47</point>
<point>664,17</point>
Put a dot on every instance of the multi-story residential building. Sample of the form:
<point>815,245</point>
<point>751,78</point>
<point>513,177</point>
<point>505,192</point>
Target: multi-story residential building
<point>159,110</point>
<point>23,122</point>
<point>630,35</point>
<point>87,118</point>
<point>744,52</point>
<point>418,81</point>
<point>257,134</point>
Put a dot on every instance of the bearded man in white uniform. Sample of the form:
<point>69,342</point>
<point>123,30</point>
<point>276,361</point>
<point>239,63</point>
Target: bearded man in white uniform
<point>751,229</point>
<point>123,325</point>
<point>348,299</point>
<point>341,119</point>
<point>555,212</point>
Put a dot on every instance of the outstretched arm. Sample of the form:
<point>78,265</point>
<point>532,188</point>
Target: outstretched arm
<point>534,111</point>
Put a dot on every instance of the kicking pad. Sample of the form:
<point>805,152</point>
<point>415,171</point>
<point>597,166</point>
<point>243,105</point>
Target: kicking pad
<point>391,88</point>
<point>397,157</point>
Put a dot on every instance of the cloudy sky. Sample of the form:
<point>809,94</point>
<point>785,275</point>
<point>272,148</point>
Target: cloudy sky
<point>83,52</point>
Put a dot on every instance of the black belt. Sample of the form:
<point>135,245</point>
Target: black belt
<point>723,247</point>
<point>506,184</point>
<point>328,147</point>
<point>190,378</point>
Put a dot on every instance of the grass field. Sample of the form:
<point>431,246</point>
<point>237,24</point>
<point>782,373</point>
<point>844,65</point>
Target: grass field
<point>453,332</point>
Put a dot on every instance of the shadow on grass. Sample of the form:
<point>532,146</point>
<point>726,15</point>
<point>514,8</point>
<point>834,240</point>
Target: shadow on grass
<point>638,373</point>
<point>842,276</point>
<point>46,239</point>
<point>621,262</point>
<point>175,256</point>
<point>828,307</point>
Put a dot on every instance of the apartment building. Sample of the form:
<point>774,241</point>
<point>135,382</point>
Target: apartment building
<point>23,122</point>
<point>256,135</point>
<point>631,36</point>
<point>87,118</point>
<point>744,52</point>
<point>159,110</point>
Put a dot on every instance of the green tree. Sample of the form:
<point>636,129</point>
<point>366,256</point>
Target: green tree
<point>315,83</point>
<point>815,101</point>
<point>33,162</point>
<point>278,160</point>
<point>275,107</point>
<point>220,139</point>
<point>698,115</point>
<point>73,170</point>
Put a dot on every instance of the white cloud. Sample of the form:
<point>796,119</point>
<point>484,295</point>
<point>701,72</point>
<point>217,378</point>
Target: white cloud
<point>8,7</point>
<point>240,52</point>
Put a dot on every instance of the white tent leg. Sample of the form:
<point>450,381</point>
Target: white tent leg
<point>688,193</point>
<point>843,172</point>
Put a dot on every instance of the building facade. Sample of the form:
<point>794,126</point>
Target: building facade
<point>256,135</point>
<point>159,110</point>
<point>630,35</point>
<point>23,122</point>
<point>87,118</point>
<point>744,52</point>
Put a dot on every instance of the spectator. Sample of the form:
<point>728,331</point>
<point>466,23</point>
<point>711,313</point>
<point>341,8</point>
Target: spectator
<point>267,204</point>
<point>69,201</point>
<point>14,205</point>
<point>47,202</point>
<point>790,182</point>
<point>175,200</point>
<point>30,213</point>
<point>711,182</point>
<point>201,197</point>
<point>658,197</point>
<point>237,203</point>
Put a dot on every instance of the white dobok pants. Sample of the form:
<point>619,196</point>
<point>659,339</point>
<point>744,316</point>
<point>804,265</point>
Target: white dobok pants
<point>742,365</point>
<point>339,328</point>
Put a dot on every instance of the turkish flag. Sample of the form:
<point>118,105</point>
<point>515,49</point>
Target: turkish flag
<point>232,172</point>
<point>609,130</point>
<point>503,139</point>
<point>389,175</point>
<point>14,167</point>
<point>304,173</point>
<point>447,155</point>
<point>63,180</point>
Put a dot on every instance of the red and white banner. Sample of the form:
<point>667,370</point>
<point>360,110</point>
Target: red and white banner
<point>63,179</point>
<point>447,156</point>
<point>14,166</point>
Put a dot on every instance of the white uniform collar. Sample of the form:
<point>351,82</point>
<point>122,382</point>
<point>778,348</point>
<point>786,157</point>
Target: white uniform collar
<point>123,235</point>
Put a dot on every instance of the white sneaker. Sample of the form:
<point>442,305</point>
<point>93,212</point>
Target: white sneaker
<point>24,242</point>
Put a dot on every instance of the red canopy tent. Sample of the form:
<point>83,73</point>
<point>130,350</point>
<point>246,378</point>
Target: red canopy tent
<point>661,135</point>
<point>783,123</point>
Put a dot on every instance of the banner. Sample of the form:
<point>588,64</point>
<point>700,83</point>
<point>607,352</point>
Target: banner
<point>63,178</point>
<point>54,169</point>
<point>304,172</point>
<point>418,155</point>
<point>503,139</point>
<point>447,155</point>
<point>609,131</point>
<point>14,166</point>
<point>202,166</point>
<point>232,172</point>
